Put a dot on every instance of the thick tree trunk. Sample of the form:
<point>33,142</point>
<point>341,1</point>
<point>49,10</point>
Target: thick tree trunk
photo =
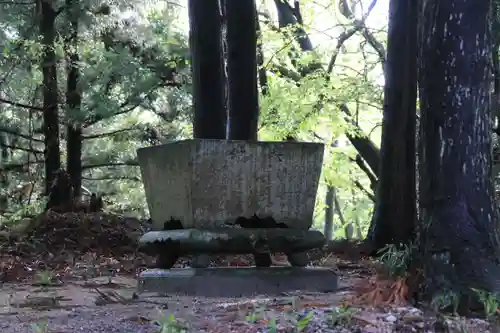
<point>242,69</point>
<point>395,209</point>
<point>458,241</point>
<point>207,68</point>
<point>73,103</point>
<point>50,98</point>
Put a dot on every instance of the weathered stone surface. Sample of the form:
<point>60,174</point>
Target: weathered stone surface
<point>299,259</point>
<point>201,261</point>
<point>236,282</point>
<point>208,183</point>
<point>231,241</point>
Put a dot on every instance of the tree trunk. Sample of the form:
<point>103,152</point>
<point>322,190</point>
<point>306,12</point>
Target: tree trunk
<point>395,209</point>
<point>242,69</point>
<point>329,202</point>
<point>4,179</point>
<point>458,244</point>
<point>50,98</point>
<point>262,74</point>
<point>73,103</point>
<point>207,69</point>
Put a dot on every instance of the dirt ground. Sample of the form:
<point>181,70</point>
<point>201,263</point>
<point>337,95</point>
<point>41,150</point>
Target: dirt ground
<point>67,273</point>
<point>108,305</point>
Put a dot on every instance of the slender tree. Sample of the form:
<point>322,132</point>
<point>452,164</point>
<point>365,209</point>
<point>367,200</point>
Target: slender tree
<point>395,210</point>
<point>74,142</point>
<point>242,69</point>
<point>205,24</point>
<point>47,31</point>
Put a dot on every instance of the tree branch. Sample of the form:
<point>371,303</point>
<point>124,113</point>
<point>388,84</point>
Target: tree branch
<point>100,135</point>
<point>94,119</point>
<point>346,35</point>
<point>364,190</point>
<point>29,150</point>
<point>20,105</point>
<point>367,34</point>
<point>19,167</point>
<point>15,133</point>
<point>137,179</point>
<point>110,164</point>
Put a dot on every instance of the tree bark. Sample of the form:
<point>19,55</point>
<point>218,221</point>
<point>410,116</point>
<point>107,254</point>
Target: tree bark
<point>207,69</point>
<point>458,233</point>
<point>329,202</point>
<point>74,141</point>
<point>50,97</point>
<point>242,69</point>
<point>394,217</point>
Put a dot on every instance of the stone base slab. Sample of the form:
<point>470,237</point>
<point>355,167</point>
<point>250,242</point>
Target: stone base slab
<point>237,281</point>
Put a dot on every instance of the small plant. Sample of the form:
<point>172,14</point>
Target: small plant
<point>445,300</point>
<point>302,323</point>
<point>44,278</point>
<point>462,328</point>
<point>489,301</point>
<point>40,327</point>
<point>341,316</point>
<point>256,314</point>
<point>395,259</point>
<point>169,324</point>
<point>272,326</point>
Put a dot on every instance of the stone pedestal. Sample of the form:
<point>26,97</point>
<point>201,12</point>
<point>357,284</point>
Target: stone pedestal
<point>237,282</point>
<point>172,244</point>
<point>229,197</point>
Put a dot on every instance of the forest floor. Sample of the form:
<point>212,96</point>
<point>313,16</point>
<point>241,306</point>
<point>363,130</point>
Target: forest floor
<point>57,277</point>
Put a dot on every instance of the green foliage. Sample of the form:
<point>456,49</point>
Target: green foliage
<point>44,278</point>
<point>396,259</point>
<point>125,57</point>
<point>40,328</point>
<point>169,324</point>
<point>446,300</point>
<point>489,301</point>
<point>341,316</point>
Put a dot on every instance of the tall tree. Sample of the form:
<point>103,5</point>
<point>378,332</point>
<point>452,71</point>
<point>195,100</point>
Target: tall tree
<point>47,29</point>
<point>205,24</point>
<point>74,139</point>
<point>242,69</point>
<point>395,209</point>
<point>459,243</point>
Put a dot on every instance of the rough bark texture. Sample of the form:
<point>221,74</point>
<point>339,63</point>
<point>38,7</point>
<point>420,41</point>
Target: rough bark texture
<point>205,24</point>
<point>73,102</point>
<point>50,98</point>
<point>395,211</point>
<point>242,69</point>
<point>458,232</point>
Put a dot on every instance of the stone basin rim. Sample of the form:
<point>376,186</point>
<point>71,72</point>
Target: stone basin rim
<point>179,235</point>
<point>257,143</point>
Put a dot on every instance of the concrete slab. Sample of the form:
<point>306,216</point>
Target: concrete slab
<point>237,281</point>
